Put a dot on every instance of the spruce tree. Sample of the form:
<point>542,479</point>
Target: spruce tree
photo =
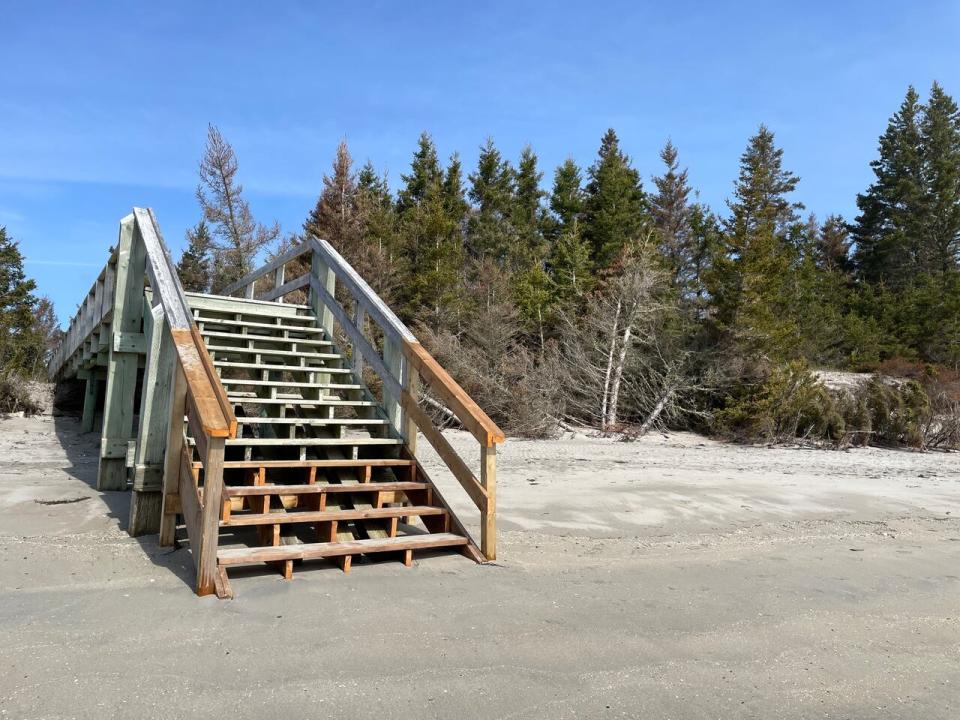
<point>194,267</point>
<point>490,232</point>
<point>566,200</point>
<point>888,231</point>
<point>21,342</point>
<point>752,284</point>
<point>527,215</point>
<point>334,217</point>
<point>670,213</point>
<point>940,136</point>
<point>615,207</point>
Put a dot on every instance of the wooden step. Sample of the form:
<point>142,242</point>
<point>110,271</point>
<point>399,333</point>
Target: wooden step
<point>204,315</point>
<point>328,402</point>
<point>263,338</point>
<point>321,487</point>
<point>282,517</point>
<point>233,350</point>
<point>362,422</point>
<point>307,551</point>
<point>289,384</point>
<point>318,463</point>
<point>311,442</point>
<point>305,329</point>
<point>279,368</point>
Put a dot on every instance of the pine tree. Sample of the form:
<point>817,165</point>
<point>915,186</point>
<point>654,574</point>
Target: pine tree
<point>888,230</point>
<point>334,217</point>
<point>832,246</point>
<point>21,342</point>
<point>194,267</point>
<point>380,257</point>
<point>752,280</point>
<point>670,212</point>
<point>569,263</point>
<point>527,216</point>
<point>490,233</point>
<point>425,175</point>
<point>237,236</point>
<point>567,200</point>
<point>615,207</point>
<point>940,136</point>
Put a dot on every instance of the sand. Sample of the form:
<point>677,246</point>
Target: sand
<point>672,577</point>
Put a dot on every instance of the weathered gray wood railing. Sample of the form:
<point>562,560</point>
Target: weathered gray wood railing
<point>120,326</point>
<point>403,362</point>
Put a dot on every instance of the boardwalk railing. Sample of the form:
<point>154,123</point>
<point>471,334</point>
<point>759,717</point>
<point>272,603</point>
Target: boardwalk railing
<point>400,366</point>
<point>119,326</point>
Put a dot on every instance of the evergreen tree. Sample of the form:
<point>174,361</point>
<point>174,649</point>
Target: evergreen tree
<point>940,136</point>
<point>706,242</point>
<point>527,215</point>
<point>567,199</point>
<point>892,211</point>
<point>752,279</point>
<point>615,207</point>
<point>670,213</point>
<point>431,237</point>
<point>490,233</point>
<point>334,217</point>
<point>379,260</point>
<point>237,236</point>
<point>21,342</point>
<point>194,267</point>
<point>832,246</point>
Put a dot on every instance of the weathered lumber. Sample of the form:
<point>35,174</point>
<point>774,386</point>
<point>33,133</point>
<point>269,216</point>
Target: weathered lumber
<point>249,556</point>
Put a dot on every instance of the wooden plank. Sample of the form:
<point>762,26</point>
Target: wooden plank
<point>445,450</point>
<point>311,442</point>
<point>454,397</point>
<point>248,556</point>
<point>374,306</point>
<point>210,518</point>
<point>122,367</point>
<point>395,365</point>
<point>286,288</point>
<point>322,488</point>
<point>217,303</point>
<point>378,462</point>
<point>210,412</point>
<point>309,516</point>
<point>89,403</point>
<point>248,279</point>
<point>190,508</point>
<point>174,448</point>
<point>488,514</point>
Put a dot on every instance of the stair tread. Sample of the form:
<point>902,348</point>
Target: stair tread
<point>279,368</point>
<point>290,384</point>
<point>241,302</point>
<point>230,350</point>
<point>299,401</point>
<point>321,487</point>
<point>201,314</point>
<point>281,517</point>
<point>318,463</point>
<point>309,442</point>
<point>263,338</point>
<point>244,420</point>
<point>426,541</point>
<point>306,329</point>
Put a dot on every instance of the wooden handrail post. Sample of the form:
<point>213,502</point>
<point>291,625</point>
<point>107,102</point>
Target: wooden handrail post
<point>278,281</point>
<point>411,385</point>
<point>171,464</point>
<point>328,280</point>
<point>394,362</point>
<point>488,513</point>
<point>210,517</point>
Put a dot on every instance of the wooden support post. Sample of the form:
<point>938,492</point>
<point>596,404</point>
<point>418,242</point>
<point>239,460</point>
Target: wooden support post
<point>147,501</point>
<point>171,465</point>
<point>394,361</point>
<point>210,517</point>
<point>360,320</point>
<point>278,281</point>
<point>411,384</point>
<point>328,280</point>
<point>122,366</point>
<point>488,513</point>
<point>89,403</point>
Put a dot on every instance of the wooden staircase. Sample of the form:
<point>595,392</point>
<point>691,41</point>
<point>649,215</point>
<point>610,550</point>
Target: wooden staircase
<point>316,469</point>
<point>239,422</point>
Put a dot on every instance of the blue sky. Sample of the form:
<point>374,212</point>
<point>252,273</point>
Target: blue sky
<point>105,105</point>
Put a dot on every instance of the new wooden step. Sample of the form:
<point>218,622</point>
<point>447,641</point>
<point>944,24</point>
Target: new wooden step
<point>307,551</point>
<point>310,516</point>
<point>263,338</point>
<point>317,463</point>
<point>321,488</point>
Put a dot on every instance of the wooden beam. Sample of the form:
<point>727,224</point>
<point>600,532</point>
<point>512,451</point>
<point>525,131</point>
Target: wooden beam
<point>89,402</point>
<point>488,514</point>
<point>210,518</point>
<point>174,448</point>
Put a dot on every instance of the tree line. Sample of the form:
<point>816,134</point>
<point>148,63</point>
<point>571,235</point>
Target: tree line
<point>597,299</point>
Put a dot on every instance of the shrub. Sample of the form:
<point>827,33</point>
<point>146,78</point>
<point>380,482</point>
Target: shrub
<point>15,396</point>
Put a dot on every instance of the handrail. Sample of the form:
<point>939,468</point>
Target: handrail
<point>403,362</point>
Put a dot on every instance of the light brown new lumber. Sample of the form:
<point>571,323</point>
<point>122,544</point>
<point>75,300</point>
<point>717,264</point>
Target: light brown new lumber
<point>321,487</point>
<point>247,556</point>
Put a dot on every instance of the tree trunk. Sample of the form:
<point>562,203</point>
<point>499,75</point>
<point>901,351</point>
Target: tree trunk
<point>611,419</point>
<point>657,409</point>
<point>606,378</point>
